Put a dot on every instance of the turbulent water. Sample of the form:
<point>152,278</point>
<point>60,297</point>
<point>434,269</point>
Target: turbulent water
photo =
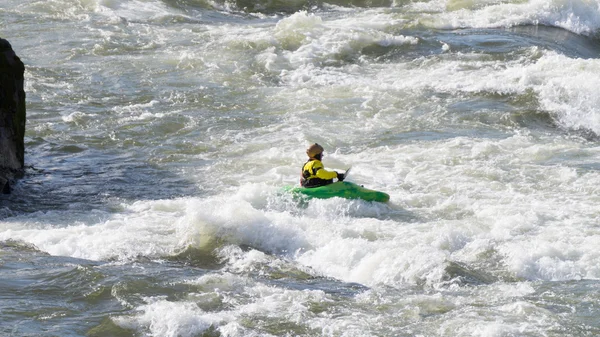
<point>160,134</point>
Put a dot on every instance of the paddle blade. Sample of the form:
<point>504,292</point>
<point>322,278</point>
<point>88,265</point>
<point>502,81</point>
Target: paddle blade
<point>346,173</point>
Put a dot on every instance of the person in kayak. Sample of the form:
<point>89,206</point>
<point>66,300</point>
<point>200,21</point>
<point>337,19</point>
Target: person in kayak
<point>314,173</point>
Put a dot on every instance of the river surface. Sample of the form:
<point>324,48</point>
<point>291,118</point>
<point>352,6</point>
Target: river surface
<point>160,134</point>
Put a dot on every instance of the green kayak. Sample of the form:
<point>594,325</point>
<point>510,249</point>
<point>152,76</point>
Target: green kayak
<point>341,189</point>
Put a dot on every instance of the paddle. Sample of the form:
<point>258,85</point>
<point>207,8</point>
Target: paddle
<point>346,173</point>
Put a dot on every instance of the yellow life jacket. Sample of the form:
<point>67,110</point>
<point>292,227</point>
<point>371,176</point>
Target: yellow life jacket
<point>314,174</point>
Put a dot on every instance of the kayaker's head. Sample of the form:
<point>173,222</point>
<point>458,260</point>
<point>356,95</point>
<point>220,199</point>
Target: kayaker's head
<point>315,151</point>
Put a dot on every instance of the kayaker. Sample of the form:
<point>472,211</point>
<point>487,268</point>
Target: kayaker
<point>314,173</point>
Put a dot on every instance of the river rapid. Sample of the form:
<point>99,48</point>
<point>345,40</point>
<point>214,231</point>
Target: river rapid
<point>160,134</point>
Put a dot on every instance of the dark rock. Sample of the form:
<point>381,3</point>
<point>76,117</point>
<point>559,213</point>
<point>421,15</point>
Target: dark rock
<point>12,115</point>
<point>4,185</point>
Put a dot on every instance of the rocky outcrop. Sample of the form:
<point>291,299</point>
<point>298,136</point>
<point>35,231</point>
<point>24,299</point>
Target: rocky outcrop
<point>12,116</point>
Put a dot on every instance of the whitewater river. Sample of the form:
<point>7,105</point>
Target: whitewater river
<point>160,134</point>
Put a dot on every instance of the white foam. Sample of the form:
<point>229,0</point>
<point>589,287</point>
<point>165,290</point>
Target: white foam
<point>503,201</point>
<point>62,10</point>
<point>565,86</point>
<point>306,40</point>
<point>185,318</point>
<point>74,117</point>
<point>161,317</point>
<point>134,10</point>
<point>471,196</point>
<point>581,17</point>
<point>474,194</point>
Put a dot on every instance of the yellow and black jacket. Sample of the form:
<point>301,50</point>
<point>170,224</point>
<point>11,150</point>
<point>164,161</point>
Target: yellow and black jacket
<point>314,174</point>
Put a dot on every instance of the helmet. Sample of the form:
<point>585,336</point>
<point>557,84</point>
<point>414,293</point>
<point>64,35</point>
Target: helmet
<point>314,150</point>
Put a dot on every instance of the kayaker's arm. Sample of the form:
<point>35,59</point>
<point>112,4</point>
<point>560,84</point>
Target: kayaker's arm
<point>325,174</point>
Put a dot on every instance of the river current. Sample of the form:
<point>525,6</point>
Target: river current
<point>160,134</point>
